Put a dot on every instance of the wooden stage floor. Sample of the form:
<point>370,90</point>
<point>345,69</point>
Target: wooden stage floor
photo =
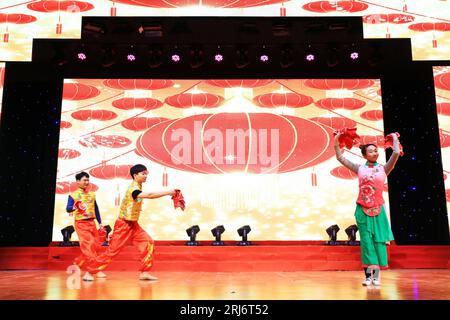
<point>409,284</point>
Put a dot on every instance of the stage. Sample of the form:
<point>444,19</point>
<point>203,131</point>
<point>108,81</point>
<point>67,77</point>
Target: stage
<point>430,284</point>
<point>262,256</point>
<point>266,270</point>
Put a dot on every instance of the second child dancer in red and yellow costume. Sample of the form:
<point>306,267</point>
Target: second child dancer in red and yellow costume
<point>82,204</point>
<point>127,228</point>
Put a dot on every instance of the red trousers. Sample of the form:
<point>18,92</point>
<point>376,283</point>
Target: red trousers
<point>125,231</point>
<point>90,242</point>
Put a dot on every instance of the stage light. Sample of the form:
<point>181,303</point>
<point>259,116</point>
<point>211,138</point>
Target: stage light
<point>351,233</point>
<point>155,57</point>
<point>176,58</point>
<point>264,58</point>
<point>192,233</point>
<point>196,57</point>
<point>59,58</point>
<point>218,56</point>
<point>333,57</point>
<point>151,30</point>
<point>243,232</point>
<point>109,57</point>
<point>217,233</point>
<point>67,234</point>
<point>310,57</point>
<point>354,55</point>
<point>375,56</point>
<point>264,55</point>
<point>310,54</point>
<point>242,59</point>
<point>81,56</point>
<point>287,57</point>
<point>94,29</point>
<point>131,54</point>
<point>332,233</point>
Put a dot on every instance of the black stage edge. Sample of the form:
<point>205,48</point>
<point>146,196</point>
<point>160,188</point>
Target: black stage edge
<point>29,130</point>
<point>223,309</point>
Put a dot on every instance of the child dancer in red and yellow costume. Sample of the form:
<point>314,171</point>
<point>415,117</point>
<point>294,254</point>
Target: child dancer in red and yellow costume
<point>127,228</point>
<point>82,204</point>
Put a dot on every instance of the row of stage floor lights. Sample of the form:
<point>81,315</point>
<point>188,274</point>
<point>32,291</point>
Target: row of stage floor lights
<point>217,234</point>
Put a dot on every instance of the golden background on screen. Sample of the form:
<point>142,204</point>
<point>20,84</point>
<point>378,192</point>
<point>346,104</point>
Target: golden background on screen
<point>283,206</point>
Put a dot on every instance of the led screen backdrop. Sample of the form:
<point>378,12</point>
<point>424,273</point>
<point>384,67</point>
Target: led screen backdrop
<point>2,75</point>
<point>427,23</point>
<point>256,152</point>
<point>442,87</point>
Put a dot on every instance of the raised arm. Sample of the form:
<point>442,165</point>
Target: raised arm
<point>395,155</point>
<point>157,194</point>
<point>345,162</point>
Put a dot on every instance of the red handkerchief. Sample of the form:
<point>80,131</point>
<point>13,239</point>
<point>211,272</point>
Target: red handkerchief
<point>347,138</point>
<point>389,143</point>
<point>178,200</point>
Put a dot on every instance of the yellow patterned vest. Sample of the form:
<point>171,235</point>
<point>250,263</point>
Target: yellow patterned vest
<point>130,209</point>
<point>88,199</point>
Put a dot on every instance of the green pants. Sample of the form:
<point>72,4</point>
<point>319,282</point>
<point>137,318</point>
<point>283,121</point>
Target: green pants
<point>374,232</point>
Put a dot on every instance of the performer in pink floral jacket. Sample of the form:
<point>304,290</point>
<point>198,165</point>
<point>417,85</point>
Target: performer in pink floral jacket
<point>370,214</point>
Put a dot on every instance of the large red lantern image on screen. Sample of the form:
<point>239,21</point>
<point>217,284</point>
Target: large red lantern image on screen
<point>237,142</point>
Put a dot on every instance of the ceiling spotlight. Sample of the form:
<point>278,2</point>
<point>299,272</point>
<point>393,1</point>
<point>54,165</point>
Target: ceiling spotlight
<point>242,59</point>
<point>131,57</point>
<point>310,57</point>
<point>333,58</point>
<point>93,29</point>
<point>264,58</point>
<point>196,57</point>
<point>81,56</point>
<point>59,58</point>
<point>287,57</point>
<point>310,54</point>
<point>109,56</point>
<point>264,55</point>
<point>155,57</point>
<point>176,58</point>
<point>354,55</point>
